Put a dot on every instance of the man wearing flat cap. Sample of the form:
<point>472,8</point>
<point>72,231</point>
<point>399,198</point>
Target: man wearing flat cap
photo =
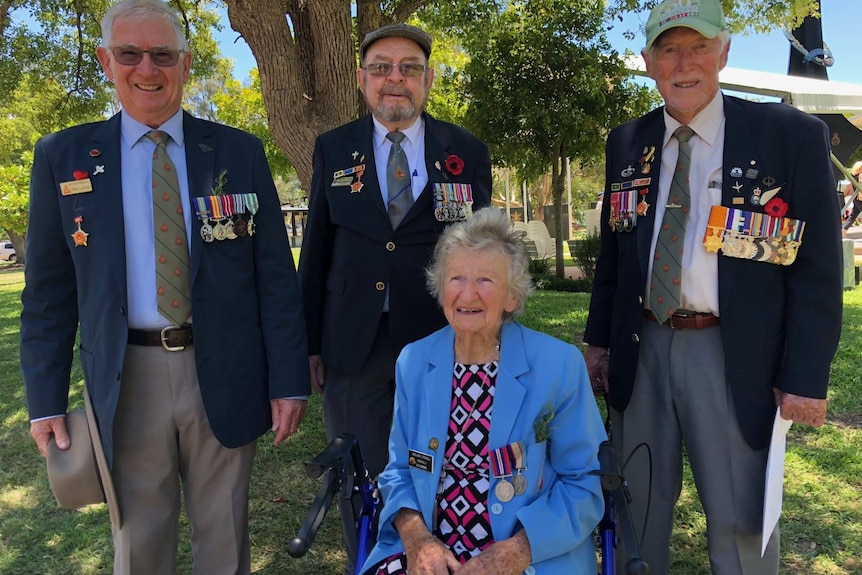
<point>383,189</point>
<point>717,297</point>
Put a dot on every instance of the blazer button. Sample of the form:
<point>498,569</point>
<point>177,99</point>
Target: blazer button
<point>640,300</point>
<point>635,338</point>
<point>390,246</point>
<point>380,286</point>
<point>530,570</point>
<point>496,509</point>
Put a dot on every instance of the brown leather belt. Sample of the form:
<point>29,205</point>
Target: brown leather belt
<point>684,319</point>
<point>171,338</point>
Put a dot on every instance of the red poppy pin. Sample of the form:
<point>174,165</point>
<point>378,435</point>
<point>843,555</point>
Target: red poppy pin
<point>776,207</point>
<point>454,165</point>
<point>80,175</point>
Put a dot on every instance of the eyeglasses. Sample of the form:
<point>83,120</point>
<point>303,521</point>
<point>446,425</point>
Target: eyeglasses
<point>131,56</point>
<point>407,69</point>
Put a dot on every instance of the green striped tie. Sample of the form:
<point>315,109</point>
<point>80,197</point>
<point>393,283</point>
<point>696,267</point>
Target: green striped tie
<point>666,280</point>
<point>172,252</point>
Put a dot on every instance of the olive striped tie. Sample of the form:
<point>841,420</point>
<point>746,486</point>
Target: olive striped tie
<point>666,280</point>
<point>169,224</point>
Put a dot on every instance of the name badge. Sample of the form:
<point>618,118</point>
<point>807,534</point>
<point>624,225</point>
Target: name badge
<point>419,460</point>
<point>76,187</point>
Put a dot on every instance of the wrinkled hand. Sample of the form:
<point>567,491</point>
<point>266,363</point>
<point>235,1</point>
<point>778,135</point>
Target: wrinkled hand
<point>804,410</point>
<point>43,430</point>
<point>426,555</point>
<point>287,414</point>
<point>315,363</point>
<point>507,557</point>
<point>430,557</point>
<point>598,360</point>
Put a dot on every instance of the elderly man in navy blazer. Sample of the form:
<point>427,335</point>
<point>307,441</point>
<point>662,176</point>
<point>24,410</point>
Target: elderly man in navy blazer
<point>363,255</point>
<point>160,236</point>
<point>718,289</point>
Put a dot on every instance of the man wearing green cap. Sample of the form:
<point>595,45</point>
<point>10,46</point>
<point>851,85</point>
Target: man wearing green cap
<point>717,295</point>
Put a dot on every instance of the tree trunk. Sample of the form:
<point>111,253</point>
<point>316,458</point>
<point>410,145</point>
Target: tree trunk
<point>19,242</point>
<point>557,192</point>
<point>306,55</point>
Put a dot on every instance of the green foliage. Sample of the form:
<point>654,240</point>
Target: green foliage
<point>547,282</point>
<point>539,266</point>
<point>759,16</point>
<point>585,252</point>
<point>14,198</point>
<point>543,83</point>
<point>242,107</point>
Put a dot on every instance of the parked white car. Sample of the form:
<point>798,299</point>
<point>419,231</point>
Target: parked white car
<point>7,252</point>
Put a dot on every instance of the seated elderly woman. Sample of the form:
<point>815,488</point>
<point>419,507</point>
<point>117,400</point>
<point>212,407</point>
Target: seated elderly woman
<point>495,430</point>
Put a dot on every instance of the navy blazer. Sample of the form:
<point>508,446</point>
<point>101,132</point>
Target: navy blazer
<point>249,333</point>
<point>351,254</point>
<point>779,324</point>
<point>537,375</point>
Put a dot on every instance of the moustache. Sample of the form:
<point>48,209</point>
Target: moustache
<point>395,91</point>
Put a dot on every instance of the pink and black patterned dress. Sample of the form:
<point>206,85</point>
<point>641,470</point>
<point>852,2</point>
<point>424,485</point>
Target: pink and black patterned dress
<point>462,522</point>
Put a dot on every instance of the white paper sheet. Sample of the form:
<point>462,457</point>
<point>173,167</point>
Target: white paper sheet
<point>774,478</point>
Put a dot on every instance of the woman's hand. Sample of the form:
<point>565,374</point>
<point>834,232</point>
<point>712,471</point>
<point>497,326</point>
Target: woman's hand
<point>426,555</point>
<point>507,557</point>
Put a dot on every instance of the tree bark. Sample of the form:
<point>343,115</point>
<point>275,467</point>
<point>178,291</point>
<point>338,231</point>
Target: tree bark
<point>557,191</point>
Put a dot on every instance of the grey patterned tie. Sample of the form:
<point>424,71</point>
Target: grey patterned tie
<point>172,253</point>
<point>399,190</point>
<point>666,279</point>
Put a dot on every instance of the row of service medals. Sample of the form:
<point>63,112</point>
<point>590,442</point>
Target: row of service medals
<point>453,202</point>
<point>753,236</point>
<point>227,212</point>
<point>508,462</point>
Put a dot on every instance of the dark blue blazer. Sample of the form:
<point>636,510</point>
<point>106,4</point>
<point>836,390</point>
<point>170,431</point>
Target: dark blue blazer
<point>249,330</point>
<point>350,254</point>
<point>779,324</point>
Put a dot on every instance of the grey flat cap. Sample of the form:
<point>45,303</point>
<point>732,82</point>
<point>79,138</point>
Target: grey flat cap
<point>418,35</point>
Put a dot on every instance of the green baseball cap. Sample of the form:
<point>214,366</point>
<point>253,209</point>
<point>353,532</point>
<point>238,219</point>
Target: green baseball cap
<point>704,16</point>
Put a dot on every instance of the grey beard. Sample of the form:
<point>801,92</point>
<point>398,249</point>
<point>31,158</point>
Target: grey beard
<point>395,114</point>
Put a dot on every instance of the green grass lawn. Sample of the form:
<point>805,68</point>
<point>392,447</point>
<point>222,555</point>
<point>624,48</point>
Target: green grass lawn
<point>821,526</point>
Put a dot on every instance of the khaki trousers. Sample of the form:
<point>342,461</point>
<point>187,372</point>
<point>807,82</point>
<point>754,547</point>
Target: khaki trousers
<point>164,446</point>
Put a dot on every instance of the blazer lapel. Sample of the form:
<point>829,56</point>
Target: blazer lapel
<point>200,159</point>
<point>360,140</point>
<point>653,135</point>
<point>510,392</point>
<point>737,153</point>
<point>106,140</point>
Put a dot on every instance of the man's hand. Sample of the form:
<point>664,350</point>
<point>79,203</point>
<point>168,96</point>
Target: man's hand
<point>805,410</point>
<point>287,414</point>
<point>41,431</point>
<point>598,360</point>
<point>315,363</point>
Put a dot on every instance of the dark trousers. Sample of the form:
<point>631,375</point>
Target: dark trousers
<point>361,404</point>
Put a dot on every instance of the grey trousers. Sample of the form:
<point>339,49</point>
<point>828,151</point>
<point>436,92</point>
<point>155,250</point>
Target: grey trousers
<point>162,438</point>
<point>362,405</point>
<point>681,398</point>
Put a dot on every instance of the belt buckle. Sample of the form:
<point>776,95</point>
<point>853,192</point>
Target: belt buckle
<point>681,314</point>
<point>164,338</point>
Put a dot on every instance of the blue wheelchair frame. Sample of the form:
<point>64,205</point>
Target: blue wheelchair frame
<point>347,476</point>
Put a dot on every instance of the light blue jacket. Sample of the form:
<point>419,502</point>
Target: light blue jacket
<point>537,374</point>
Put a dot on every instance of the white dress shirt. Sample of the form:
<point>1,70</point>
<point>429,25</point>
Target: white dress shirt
<point>699,288</point>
